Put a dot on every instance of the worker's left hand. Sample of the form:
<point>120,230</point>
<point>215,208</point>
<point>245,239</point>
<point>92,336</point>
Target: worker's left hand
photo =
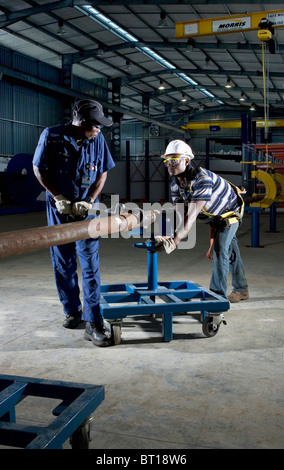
<point>167,243</point>
<point>81,208</point>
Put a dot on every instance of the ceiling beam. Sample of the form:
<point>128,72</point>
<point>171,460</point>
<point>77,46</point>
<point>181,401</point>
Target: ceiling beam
<point>168,2</point>
<point>181,46</point>
<point>231,73</point>
<point>14,16</point>
<point>189,88</point>
<point>76,94</point>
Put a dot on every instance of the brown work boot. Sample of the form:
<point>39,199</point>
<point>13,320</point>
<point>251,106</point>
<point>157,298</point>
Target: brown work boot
<point>237,296</point>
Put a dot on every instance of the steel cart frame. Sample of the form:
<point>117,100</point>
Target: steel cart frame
<point>72,417</point>
<point>121,300</point>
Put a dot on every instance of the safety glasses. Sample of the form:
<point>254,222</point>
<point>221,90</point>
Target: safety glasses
<point>174,161</point>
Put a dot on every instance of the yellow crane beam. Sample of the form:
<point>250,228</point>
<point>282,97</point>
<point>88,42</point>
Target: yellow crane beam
<point>228,24</point>
<point>230,124</point>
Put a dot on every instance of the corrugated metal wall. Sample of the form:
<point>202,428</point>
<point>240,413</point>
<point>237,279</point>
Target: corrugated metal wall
<point>25,112</point>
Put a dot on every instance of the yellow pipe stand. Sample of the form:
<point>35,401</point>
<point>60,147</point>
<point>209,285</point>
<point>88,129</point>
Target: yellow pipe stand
<point>270,189</point>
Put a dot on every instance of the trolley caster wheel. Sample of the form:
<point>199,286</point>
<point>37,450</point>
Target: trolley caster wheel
<point>81,437</point>
<point>114,329</point>
<point>209,328</point>
<point>116,333</point>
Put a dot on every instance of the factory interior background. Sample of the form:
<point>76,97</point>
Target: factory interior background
<point>210,74</point>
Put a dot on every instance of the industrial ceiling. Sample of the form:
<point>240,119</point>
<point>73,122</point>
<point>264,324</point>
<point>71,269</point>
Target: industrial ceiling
<point>134,44</point>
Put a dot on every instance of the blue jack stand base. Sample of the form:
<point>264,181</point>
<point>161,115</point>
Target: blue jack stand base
<point>165,298</point>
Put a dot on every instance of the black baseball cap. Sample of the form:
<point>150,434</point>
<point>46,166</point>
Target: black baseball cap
<point>92,112</point>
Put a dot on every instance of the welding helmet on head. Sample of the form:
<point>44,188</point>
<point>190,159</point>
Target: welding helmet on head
<point>178,148</point>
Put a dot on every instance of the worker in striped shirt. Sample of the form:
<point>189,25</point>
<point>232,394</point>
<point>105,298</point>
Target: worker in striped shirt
<point>210,198</point>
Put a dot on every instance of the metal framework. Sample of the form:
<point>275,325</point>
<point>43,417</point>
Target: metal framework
<point>77,403</point>
<point>99,54</point>
<point>165,298</point>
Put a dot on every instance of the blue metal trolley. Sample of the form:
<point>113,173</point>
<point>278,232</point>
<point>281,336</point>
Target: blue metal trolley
<point>121,300</point>
<point>71,417</point>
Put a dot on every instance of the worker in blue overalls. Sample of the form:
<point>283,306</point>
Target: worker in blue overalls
<point>71,162</point>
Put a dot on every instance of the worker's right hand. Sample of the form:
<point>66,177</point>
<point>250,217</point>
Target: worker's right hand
<point>81,208</point>
<point>165,242</point>
<point>63,205</point>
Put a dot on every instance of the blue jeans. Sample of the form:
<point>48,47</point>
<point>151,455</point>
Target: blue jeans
<point>227,257</point>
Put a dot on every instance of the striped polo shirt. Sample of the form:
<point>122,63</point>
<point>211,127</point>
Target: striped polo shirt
<point>207,186</point>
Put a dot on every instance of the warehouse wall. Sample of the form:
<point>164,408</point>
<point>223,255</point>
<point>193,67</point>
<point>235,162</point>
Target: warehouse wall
<point>25,109</point>
<point>24,114</point>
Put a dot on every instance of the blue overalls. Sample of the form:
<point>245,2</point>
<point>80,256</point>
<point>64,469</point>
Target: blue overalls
<point>72,170</point>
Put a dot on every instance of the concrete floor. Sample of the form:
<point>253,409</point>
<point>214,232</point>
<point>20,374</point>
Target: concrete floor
<point>224,392</point>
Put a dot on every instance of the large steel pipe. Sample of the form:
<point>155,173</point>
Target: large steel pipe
<point>23,241</point>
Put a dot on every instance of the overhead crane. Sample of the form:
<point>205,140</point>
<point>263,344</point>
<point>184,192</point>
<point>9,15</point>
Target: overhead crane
<point>264,22</point>
<point>228,24</point>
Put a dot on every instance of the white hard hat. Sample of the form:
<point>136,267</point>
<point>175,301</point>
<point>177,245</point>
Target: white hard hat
<point>178,147</point>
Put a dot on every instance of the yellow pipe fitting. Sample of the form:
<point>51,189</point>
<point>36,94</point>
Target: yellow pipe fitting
<point>270,189</point>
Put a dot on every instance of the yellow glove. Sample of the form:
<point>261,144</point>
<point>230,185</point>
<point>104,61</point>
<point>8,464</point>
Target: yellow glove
<point>81,208</point>
<point>63,205</point>
<point>167,243</point>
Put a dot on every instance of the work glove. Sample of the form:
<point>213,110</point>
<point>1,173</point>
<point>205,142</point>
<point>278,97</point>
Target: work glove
<point>81,208</point>
<point>63,205</point>
<point>167,243</point>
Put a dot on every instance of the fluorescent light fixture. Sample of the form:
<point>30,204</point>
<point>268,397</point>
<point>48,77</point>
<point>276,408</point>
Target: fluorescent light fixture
<point>95,15</point>
<point>156,57</point>
<point>212,97</point>
<point>185,78</point>
<point>109,24</point>
<point>206,93</point>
